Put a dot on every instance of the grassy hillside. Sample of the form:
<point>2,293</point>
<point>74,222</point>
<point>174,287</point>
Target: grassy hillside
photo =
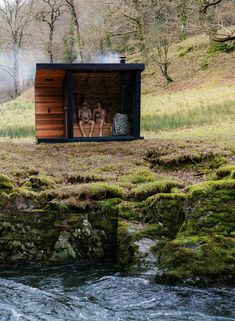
<point>199,104</point>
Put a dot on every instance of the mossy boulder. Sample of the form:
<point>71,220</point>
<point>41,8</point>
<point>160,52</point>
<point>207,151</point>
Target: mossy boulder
<point>137,250</point>
<point>210,208</point>
<point>199,261</point>
<point>203,251</point>
<point>167,211</point>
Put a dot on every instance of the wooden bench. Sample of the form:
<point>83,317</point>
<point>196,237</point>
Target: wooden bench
<point>107,130</point>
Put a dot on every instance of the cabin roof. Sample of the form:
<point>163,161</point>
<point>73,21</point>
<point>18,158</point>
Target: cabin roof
<point>57,71</point>
<point>90,67</point>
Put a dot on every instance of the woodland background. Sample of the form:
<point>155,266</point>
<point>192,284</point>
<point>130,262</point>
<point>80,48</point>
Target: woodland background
<point>100,30</point>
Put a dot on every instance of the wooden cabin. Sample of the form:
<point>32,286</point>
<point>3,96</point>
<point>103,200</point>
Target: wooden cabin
<point>62,89</point>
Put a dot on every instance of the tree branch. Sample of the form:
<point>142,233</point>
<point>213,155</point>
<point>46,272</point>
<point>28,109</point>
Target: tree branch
<point>204,9</point>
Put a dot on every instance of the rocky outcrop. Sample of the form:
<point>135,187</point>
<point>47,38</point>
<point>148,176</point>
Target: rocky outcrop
<point>180,235</point>
<point>43,228</point>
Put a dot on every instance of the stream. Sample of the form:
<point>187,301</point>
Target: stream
<point>71,293</point>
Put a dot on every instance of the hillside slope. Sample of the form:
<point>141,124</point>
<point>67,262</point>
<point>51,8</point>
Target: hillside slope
<point>199,103</point>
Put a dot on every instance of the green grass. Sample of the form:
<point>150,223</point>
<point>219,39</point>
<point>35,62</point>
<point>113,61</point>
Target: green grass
<point>188,118</point>
<point>188,99</point>
<point>222,133</point>
<point>17,132</point>
<point>17,118</point>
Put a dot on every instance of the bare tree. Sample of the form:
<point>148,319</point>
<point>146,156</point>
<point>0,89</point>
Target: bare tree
<point>162,58</point>
<point>50,14</point>
<point>15,16</point>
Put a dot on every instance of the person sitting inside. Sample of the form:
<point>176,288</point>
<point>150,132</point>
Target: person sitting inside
<point>99,115</point>
<point>85,117</point>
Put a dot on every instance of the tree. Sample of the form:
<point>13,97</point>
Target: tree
<point>182,19</point>
<point>50,14</point>
<point>69,52</point>
<point>75,27</point>
<point>15,16</point>
<point>162,58</point>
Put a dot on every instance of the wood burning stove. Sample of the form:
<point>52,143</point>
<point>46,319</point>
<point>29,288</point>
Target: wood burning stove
<point>61,90</point>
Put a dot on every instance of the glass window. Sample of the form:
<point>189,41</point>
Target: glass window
<point>103,103</point>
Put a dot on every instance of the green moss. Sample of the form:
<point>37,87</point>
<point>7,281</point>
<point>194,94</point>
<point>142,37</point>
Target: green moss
<point>109,207</point>
<point>75,220</point>
<point>132,211</point>
<point>203,257</point>
<point>40,183</point>
<point>226,172</point>
<point>83,178</point>
<point>140,176</point>
<point>179,157</point>
<point>92,191</point>
<point>210,208</point>
<point>143,191</point>
<point>210,186</point>
<point>24,192</point>
<point>6,186</point>
<point>151,231</point>
<point>167,211</point>
<point>125,247</point>
<point>218,47</point>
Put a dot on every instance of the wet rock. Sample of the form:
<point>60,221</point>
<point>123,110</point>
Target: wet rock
<point>63,250</point>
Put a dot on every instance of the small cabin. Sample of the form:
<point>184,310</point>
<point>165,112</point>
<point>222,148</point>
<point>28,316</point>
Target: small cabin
<point>63,91</point>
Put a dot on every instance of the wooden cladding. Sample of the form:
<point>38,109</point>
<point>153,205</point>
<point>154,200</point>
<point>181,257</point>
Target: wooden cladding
<point>50,104</point>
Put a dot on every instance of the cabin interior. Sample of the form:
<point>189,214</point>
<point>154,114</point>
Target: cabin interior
<point>113,90</point>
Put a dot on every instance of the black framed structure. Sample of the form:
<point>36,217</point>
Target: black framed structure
<point>62,90</point>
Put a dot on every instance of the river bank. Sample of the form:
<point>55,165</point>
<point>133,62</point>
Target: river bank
<point>145,206</point>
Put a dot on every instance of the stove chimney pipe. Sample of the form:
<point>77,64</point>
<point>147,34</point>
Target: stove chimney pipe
<point>122,59</point>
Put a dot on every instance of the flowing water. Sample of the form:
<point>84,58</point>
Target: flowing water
<point>69,293</point>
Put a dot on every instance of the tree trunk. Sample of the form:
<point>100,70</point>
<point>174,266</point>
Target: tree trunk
<point>16,70</point>
<point>77,28</point>
<point>50,45</point>
<point>141,32</point>
<point>164,70</point>
<point>182,19</point>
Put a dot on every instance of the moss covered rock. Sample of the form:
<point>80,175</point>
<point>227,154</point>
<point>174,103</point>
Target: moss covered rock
<point>203,251</point>
<point>210,208</point>
<point>137,247</point>
<point>167,211</point>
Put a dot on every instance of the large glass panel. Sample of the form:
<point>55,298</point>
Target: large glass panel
<point>103,104</point>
